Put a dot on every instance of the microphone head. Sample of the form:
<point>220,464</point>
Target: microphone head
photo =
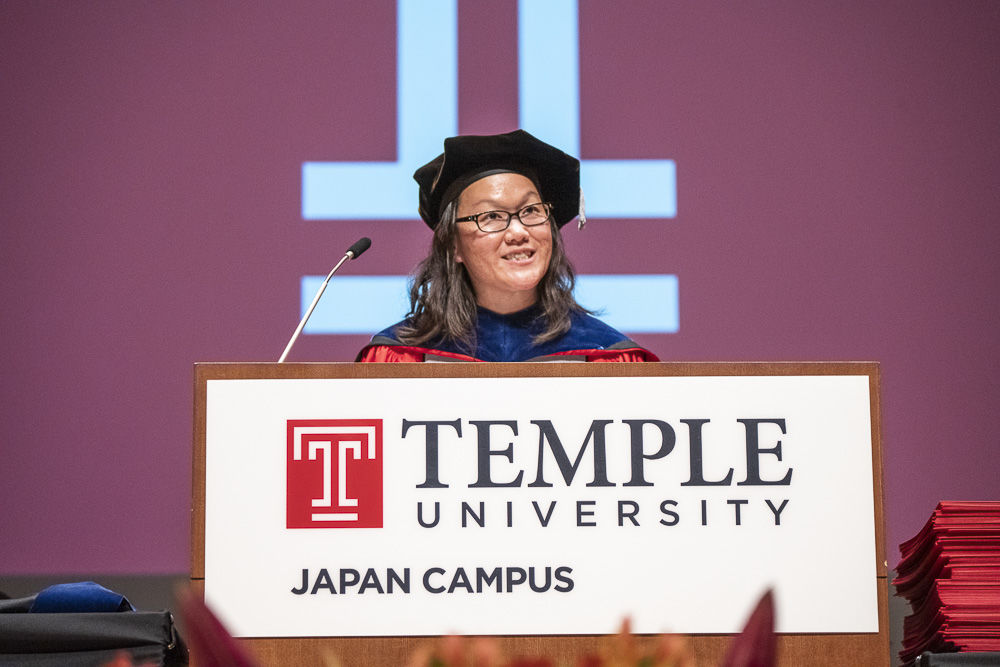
<point>359,247</point>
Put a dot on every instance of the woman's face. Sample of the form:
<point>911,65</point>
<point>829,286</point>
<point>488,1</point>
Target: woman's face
<point>505,267</point>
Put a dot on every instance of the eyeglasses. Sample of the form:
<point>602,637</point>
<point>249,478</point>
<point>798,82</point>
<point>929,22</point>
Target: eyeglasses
<point>497,221</point>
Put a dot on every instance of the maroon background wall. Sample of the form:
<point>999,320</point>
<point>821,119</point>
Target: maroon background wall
<point>837,168</point>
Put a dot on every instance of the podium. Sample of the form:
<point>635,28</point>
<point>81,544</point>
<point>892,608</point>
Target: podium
<point>781,425</point>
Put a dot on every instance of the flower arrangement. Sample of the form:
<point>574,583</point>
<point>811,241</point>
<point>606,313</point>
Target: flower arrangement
<point>621,650</point>
<point>756,646</point>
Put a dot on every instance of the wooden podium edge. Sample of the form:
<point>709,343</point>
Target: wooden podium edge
<point>814,649</point>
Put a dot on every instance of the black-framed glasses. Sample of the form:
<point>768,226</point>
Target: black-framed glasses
<point>497,221</point>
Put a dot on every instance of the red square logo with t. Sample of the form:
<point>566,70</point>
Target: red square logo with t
<point>334,473</point>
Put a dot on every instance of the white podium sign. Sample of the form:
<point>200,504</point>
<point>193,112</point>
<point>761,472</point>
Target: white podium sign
<point>538,505</point>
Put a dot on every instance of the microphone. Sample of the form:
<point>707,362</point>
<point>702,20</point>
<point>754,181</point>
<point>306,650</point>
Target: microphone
<point>359,247</point>
<point>353,252</point>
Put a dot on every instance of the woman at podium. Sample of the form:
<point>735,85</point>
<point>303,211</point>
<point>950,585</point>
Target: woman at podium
<point>497,285</point>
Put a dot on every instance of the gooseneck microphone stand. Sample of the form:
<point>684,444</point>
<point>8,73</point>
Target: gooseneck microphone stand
<point>352,253</point>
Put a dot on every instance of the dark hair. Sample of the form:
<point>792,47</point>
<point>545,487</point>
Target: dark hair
<point>443,302</point>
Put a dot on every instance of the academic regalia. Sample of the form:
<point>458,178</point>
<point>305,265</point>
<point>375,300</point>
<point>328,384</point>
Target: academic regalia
<point>509,338</point>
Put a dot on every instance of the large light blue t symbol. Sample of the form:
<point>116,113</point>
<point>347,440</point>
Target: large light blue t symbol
<point>549,108</point>
<point>427,97</point>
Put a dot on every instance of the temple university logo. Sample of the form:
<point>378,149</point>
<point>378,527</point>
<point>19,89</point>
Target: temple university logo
<point>334,473</point>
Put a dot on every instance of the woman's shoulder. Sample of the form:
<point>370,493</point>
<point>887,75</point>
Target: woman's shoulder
<point>592,339</point>
<point>389,335</point>
<point>386,345</point>
<point>589,331</point>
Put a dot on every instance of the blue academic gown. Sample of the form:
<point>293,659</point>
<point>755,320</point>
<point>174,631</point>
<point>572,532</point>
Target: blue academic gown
<point>510,338</point>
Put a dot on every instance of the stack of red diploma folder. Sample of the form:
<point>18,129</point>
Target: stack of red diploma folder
<point>950,574</point>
